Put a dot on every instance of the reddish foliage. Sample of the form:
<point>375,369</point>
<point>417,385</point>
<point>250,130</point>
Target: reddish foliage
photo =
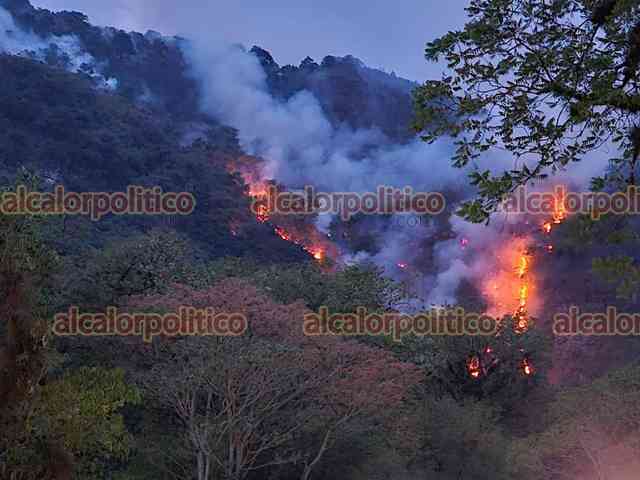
<point>360,378</point>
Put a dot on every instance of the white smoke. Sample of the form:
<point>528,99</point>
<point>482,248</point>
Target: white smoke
<point>299,142</point>
<point>15,41</point>
<point>302,147</point>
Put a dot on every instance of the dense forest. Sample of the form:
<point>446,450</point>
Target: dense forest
<point>553,81</point>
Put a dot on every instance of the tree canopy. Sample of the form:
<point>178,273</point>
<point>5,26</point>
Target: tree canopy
<point>546,81</point>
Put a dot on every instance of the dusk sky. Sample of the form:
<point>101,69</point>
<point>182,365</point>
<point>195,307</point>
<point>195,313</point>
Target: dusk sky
<point>384,34</point>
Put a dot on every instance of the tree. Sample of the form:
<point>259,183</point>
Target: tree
<point>274,396</point>
<point>593,433</point>
<point>26,268</point>
<point>547,81</point>
<point>462,440</point>
<point>236,400</point>
<point>145,263</point>
<point>81,410</point>
<point>341,291</point>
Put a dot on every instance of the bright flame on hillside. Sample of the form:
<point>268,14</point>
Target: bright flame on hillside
<point>511,286</point>
<point>300,233</point>
<point>523,266</point>
<point>527,367</point>
<point>473,366</point>
<point>559,214</point>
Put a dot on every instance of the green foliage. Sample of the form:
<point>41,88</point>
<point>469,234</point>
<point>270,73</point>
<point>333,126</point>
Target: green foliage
<point>342,291</point>
<point>621,272</point>
<point>144,264</point>
<point>579,233</point>
<point>544,83</point>
<point>593,432</point>
<point>503,383</point>
<point>464,440</point>
<point>27,266</point>
<point>59,125</point>
<point>82,410</point>
<point>364,286</point>
<point>22,246</point>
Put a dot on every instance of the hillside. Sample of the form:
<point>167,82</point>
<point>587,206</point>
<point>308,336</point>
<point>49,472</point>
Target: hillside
<point>150,66</point>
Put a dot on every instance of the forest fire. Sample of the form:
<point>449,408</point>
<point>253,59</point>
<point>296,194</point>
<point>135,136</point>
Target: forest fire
<point>473,366</point>
<point>509,291</point>
<point>521,315</point>
<point>510,287</point>
<point>516,295</point>
<point>297,231</point>
<point>559,214</point>
<point>527,367</point>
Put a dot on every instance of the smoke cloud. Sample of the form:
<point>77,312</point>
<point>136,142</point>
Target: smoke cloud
<point>302,147</point>
<point>67,48</point>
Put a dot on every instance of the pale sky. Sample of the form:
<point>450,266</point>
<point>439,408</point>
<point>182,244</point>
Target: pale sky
<point>384,34</point>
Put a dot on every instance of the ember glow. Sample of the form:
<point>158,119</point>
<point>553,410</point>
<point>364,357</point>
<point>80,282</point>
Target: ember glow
<point>512,292</point>
<point>523,266</point>
<point>473,366</point>
<point>521,315</point>
<point>527,367</point>
<point>511,286</point>
<point>283,234</point>
<point>559,211</point>
<point>300,233</point>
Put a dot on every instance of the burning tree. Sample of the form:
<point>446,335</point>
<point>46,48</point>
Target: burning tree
<point>499,368</point>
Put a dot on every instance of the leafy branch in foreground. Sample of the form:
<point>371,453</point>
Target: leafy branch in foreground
<point>546,82</point>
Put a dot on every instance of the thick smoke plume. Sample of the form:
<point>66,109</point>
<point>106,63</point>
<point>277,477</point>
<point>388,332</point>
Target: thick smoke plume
<point>302,147</point>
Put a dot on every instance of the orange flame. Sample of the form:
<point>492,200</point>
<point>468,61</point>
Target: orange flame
<point>521,316</point>
<point>473,366</point>
<point>559,211</point>
<point>524,290</point>
<point>317,253</point>
<point>303,234</point>
<point>523,266</point>
<point>504,293</point>
<point>283,234</point>
<point>527,367</point>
